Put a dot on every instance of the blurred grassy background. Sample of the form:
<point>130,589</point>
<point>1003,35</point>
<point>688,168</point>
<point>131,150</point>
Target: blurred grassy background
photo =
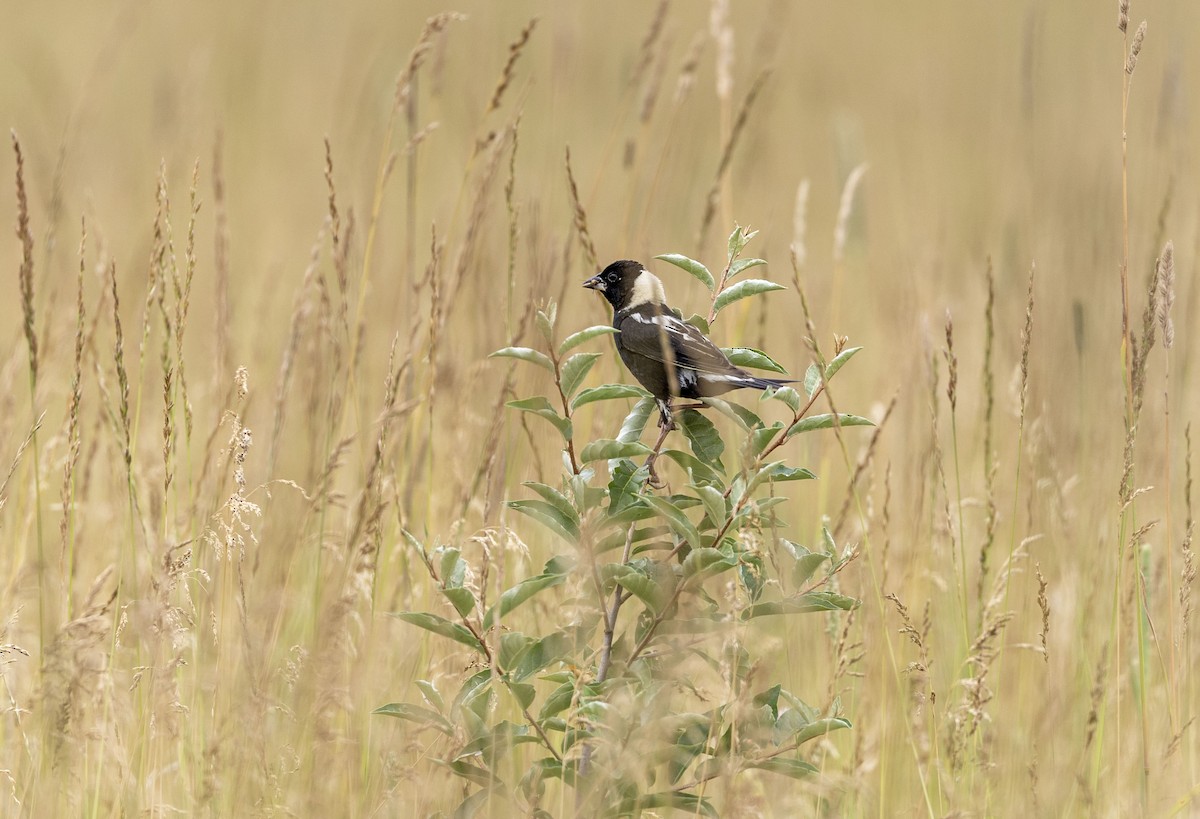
<point>991,131</point>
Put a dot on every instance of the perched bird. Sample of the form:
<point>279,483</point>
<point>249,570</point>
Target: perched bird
<point>666,354</point>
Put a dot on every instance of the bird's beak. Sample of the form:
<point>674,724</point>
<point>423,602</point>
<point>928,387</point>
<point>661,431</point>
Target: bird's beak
<point>595,283</point>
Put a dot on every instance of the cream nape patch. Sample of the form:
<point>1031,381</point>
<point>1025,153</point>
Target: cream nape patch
<point>647,288</point>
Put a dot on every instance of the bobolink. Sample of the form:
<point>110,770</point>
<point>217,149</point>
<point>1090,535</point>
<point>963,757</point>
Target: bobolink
<point>668,356</point>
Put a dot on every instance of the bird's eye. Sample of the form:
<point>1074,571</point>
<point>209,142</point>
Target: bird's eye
<point>611,277</point>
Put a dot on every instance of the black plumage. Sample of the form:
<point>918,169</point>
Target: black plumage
<point>668,356</point>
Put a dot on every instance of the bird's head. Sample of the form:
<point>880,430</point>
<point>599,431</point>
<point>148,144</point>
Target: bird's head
<point>627,284</point>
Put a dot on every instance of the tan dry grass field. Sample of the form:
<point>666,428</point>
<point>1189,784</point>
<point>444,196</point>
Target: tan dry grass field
<point>314,221</point>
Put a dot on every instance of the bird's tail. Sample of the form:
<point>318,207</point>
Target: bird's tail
<point>756,383</point>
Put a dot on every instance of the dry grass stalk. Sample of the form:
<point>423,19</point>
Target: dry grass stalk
<point>1188,577</point>
<point>1135,48</point>
<point>1166,294</point>
<point>1026,340</point>
<point>722,33</point>
<point>183,297</point>
<point>514,53</point>
<point>800,225</point>
<point>649,44</point>
<point>687,71</point>
<point>989,406</point>
<point>25,272</point>
<point>1044,605</point>
<point>845,208</point>
<point>1123,15</point>
<point>951,364</point>
<point>434,26</point>
<point>74,399</point>
<point>739,124</point>
<point>301,310</point>
<point>864,462</point>
<point>122,375</point>
<point>76,666</point>
<point>25,444</point>
<point>221,259</point>
<point>581,225</point>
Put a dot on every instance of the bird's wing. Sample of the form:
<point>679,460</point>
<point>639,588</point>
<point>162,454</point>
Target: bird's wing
<point>644,332</point>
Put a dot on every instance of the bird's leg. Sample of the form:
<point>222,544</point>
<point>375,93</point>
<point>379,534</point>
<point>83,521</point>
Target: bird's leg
<point>666,423</point>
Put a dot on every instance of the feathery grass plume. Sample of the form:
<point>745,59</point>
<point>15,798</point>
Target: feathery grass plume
<point>478,214</point>
<point>687,71</point>
<point>122,375</point>
<point>649,44</point>
<point>714,192</point>
<point>581,226</point>
<point>653,85</point>
<point>989,406</point>
<point>1026,340</point>
<point>514,53</point>
<point>722,33</point>
<point>301,310</point>
<point>864,463</point>
<point>951,364</point>
<point>25,272</point>
<point>25,444</point>
<point>183,297</point>
<point>1135,48</point>
<point>434,26</point>
<point>1166,293</point>
<point>845,208</point>
<point>1141,350</point>
<point>221,258</point>
<point>800,225</point>
<point>513,210</point>
<point>66,529</point>
<point>886,526</point>
<point>1123,15</point>
<point>1044,605</point>
<point>77,667</point>
<point>1188,577</point>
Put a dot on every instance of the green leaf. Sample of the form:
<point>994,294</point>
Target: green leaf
<point>575,339</point>
<point>812,380</point>
<point>702,473</point>
<point>549,516</point>
<point>431,694</point>
<point>839,360</point>
<point>558,701</point>
<point>801,604</point>
<point>699,322</point>
<point>742,265</point>
<point>521,592</point>
<point>714,504</point>
<point>791,473</point>
<point>541,407</point>
<point>682,800</point>
<point>525,354</point>
<point>703,437</point>
<point>807,563</point>
<point>552,648</point>
<point>605,448</point>
<point>819,728</point>
<point>645,588</point>
<point>512,645</point>
<point>417,714</point>
<point>825,421</point>
<point>462,600</point>
<point>625,484</point>
<point>676,519</point>
<point>556,499</point>
<point>743,289</point>
<point>439,625</point>
<point>545,323</point>
<point>745,419</point>
<point>795,768</point>
<point>607,392</point>
<point>739,239</point>
<point>575,369</point>
<point>701,564</point>
<point>524,693</point>
<point>788,396</point>
<point>750,357</point>
<point>762,437</point>
<point>635,421</point>
<point>453,568</point>
<point>691,266</point>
